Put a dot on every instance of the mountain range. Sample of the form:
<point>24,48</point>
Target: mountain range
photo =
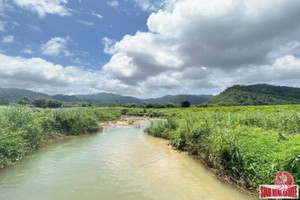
<point>100,99</point>
<point>237,95</point>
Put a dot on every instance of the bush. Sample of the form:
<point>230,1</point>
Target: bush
<point>185,104</point>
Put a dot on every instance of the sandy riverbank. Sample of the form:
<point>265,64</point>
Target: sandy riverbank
<point>124,121</point>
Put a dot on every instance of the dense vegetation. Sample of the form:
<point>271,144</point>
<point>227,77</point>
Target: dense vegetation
<point>184,104</point>
<point>261,94</point>
<point>22,129</point>
<point>250,145</point>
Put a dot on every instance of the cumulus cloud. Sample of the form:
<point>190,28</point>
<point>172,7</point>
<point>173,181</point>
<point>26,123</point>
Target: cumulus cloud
<point>43,7</point>
<point>208,40</point>
<point>8,39</point>
<point>51,78</point>
<point>41,75</point>
<point>191,46</point>
<point>56,47</point>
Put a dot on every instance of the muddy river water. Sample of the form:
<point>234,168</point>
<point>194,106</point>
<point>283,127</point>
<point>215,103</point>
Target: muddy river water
<point>119,164</point>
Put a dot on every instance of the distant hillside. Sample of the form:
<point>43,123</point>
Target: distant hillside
<point>109,99</point>
<point>14,94</point>
<point>101,99</point>
<point>194,99</point>
<point>65,98</point>
<point>106,99</point>
<point>260,94</point>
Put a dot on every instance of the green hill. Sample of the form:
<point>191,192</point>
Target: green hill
<point>260,94</point>
<point>14,94</point>
<point>193,99</point>
<point>107,99</point>
<point>100,99</point>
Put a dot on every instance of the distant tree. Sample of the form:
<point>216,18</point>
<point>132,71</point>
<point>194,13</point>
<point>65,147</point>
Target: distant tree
<point>24,101</point>
<point>185,104</point>
<point>54,103</point>
<point>4,102</point>
<point>40,103</point>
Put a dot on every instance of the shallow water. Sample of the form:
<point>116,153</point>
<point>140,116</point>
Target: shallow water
<point>123,163</point>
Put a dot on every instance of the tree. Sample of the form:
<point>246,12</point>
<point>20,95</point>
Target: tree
<point>185,104</point>
<point>40,103</point>
<point>4,102</point>
<point>54,103</point>
<point>24,101</point>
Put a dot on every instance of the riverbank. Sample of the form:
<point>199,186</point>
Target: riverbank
<point>123,121</point>
<point>24,130</point>
<point>123,163</point>
<point>245,146</point>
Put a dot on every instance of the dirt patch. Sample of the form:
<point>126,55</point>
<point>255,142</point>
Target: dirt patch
<point>124,121</point>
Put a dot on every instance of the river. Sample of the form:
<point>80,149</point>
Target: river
<point>120,164</point>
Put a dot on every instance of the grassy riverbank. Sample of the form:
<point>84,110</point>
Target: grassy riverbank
<point>248,145</point>
<point>23,130</point>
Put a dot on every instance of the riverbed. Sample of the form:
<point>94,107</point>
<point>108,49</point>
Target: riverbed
<point>122,163</point>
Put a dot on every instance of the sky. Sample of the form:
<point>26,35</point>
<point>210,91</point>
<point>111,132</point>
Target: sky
<point>148,48</point>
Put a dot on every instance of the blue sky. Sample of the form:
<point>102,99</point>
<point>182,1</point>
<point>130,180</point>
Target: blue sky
<point>148,48</point>
<point>90,21</point>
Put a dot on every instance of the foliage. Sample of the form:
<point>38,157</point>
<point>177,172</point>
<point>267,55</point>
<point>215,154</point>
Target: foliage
<point>4,102</point>
<point>148,105</point>
<point>250,144</point>
<point>46,103</point>
<point>24,129</point>
<point>185,104</point>
<point>261,94</point>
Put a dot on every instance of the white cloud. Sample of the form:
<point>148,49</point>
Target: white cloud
<point>56,47</point>
<point>8,39</point>
<point>43,7</point>
<point>113,3</point>
<point>27,51</point>
<point>85,22</point>
<point>152,5</point>
<point>121,66</point>
<point>222,36</point>
<point>39,75</point>
<point>95,14</point>
<point>108,45</point>
<point>192,46</point>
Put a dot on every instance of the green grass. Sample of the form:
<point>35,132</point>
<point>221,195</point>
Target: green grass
<point>249,144</point>
<point>23,129</point>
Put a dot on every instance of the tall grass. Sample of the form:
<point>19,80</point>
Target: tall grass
<point>23,130</point>
<point>249,144</point>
